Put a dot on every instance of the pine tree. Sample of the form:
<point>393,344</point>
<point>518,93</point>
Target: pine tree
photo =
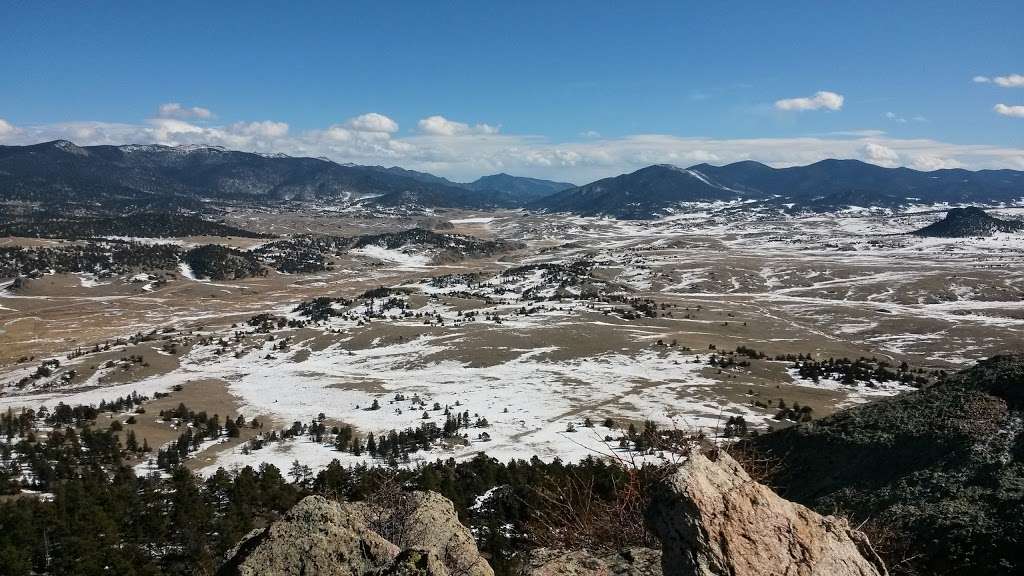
<point>343,439</point>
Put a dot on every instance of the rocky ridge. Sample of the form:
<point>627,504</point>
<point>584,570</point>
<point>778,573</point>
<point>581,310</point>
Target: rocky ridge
<point>711,518</point>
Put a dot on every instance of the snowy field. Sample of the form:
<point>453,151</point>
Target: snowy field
<point>532,350</point>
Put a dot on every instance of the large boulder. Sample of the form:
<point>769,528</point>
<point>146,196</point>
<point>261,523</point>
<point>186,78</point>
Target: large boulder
<point>407,534</point>
<point>713,519</point>
<point>428,521</point>
<point>626,562</point>
<point>316,537</point>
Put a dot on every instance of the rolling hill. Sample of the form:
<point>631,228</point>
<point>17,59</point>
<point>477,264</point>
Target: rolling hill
<point>966,222</point>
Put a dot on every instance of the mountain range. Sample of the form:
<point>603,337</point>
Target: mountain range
<point>158,177</point>
<point>822,186</point>
<point>154,177</point>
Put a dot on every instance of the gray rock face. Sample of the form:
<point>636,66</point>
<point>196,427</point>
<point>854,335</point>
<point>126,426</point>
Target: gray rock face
<point>627,562</point>
<point>713,519</point>
<point>426,520</point>
<point>319,537</point>
<point>316,537</point>
<point>416,562</point>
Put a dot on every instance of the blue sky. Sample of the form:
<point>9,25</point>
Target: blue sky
<point>578,89</point>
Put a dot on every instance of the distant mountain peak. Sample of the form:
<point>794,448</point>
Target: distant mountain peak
<point>65,146</point>
<point>520,188</point>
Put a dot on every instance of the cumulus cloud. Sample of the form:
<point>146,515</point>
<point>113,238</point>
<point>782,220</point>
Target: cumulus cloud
<point>172,131</point>
<point>881,155</point>
<point>372,122</point>
<point>264,129</point>
<point>981,80</point>
<point>1011,81</point>
<point>821,100</point>
<point>1013,111</point>
<point>441,126</point>
<point>176,110</point>
<point>369,127</point>
<point>929,163</point>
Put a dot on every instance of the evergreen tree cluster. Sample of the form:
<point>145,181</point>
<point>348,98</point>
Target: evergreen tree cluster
<point>104,519</point>
<point>868,371</point>
<point>104,258</point>
<point>145,225</point>
<point>197,427</point>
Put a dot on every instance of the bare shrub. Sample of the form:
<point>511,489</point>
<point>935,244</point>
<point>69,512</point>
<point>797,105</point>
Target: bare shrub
<point>762,468</point>
<point>388,508</point>
<point>892,545</point>
<point>572,515</point>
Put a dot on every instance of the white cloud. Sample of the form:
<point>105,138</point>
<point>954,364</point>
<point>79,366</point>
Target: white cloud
<point>441,126</point>
<point>903,119</point>
<point>468,156</point>
<point>170,131</point>
<point>929,163</point>
<point>176,110</point>
<point>372,129</point>
<point>821,100</point>
<point>881,155</point>
<point>372,122</point>
<point>1008,81</point>
<point>1011,81</point>
<point>590,134</point>
<point>6,128</point>
<point>1014,111</point>
<point>264,129</point>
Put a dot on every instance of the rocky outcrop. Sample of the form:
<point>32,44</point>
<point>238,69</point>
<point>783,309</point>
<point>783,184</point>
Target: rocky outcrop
<point>713,519</point>
<point>318,537</point>
<point>426,520</point>
<point>627,562</point>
